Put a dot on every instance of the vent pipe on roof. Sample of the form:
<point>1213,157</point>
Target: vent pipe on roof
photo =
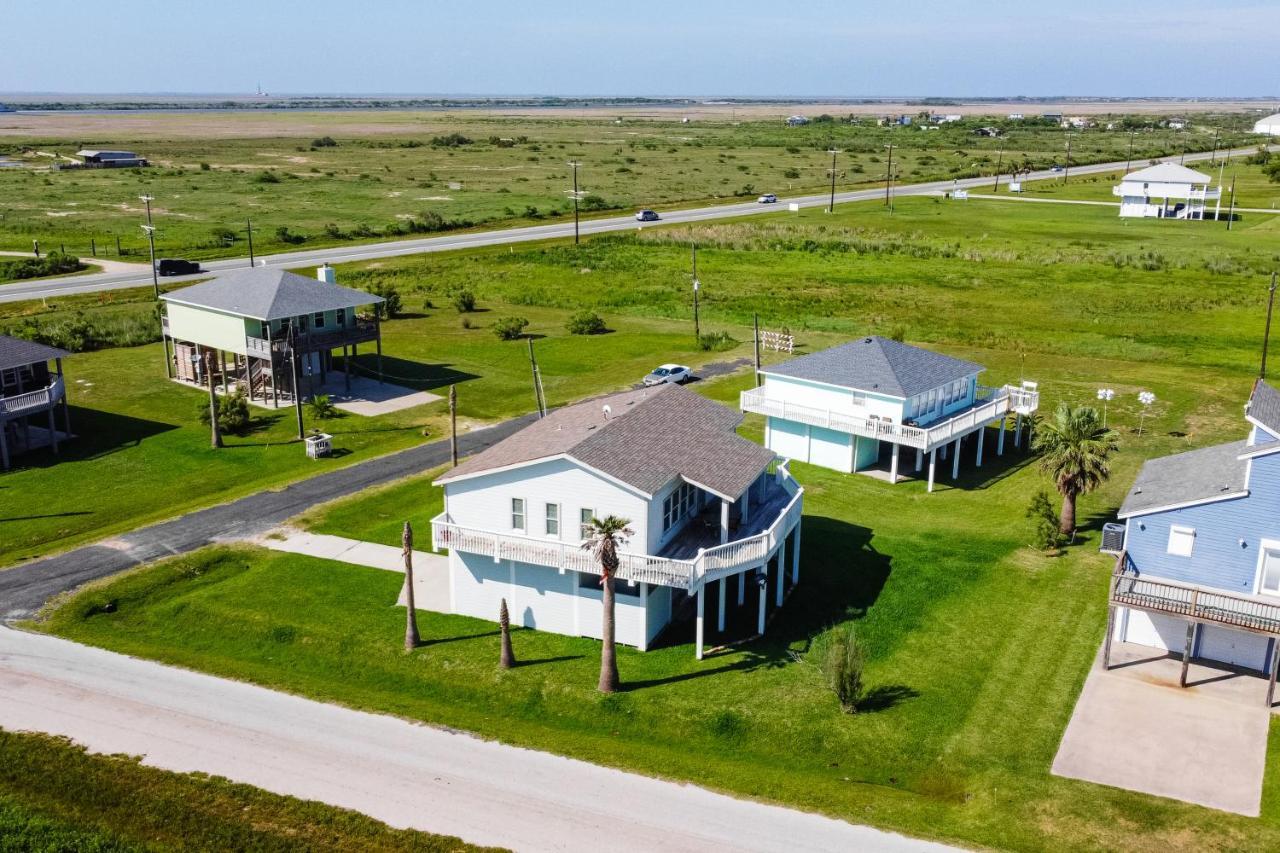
<point>327,273</point>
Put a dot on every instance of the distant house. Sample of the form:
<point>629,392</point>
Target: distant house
<point>1176,123</point>
<point>845,407</point>
<point>1051,116</point>
<point>1148,192</point>
<point>1015,116</point>
<point>1199,574</point>
<point>987,131</point>
<point>31,392</point>
<point>94,159</point>
<point>904,120</point>
<point>797,121</point>
<point>1269,125</point>
<point>707,508</point>
<point>261,318</point>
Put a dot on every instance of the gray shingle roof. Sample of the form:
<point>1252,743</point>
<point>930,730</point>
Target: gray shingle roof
<point>266,293</point>
<point>650,437</point>
<point>1264,406</point>
<point>1196,475</point>
<point>878,364</point>
<point>16,352</point>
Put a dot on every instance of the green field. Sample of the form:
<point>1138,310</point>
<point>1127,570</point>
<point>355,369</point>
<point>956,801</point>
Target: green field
<point>55,796</point>
<point>388,170</point>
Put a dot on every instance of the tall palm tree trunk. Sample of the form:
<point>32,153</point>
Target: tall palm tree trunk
<point>1067,521</point>
<point>608,656</point>
<point>411,638</point>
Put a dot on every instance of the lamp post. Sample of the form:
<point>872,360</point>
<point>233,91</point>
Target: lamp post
<point>1106,395</point>
<point>697,285</point>
<point>576,195</point>
<point>151,242</point>
<point>1146,398</point>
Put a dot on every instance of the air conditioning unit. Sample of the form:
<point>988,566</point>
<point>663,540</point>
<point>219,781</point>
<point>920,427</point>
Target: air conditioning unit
<point>1112,538</point>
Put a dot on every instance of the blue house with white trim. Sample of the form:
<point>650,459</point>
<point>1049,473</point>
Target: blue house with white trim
<point>842,407</point>
<point>1200,571</point>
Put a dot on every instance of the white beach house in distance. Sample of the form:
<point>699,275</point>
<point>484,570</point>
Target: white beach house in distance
<point>1167,191</point>
<point>1269,125</point>
<point>709,510</point>
<point>846,407</point>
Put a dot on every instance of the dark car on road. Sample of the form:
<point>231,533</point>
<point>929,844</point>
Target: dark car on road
<point>176,266</point>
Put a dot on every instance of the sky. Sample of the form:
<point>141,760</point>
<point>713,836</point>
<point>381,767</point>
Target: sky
<point>644,47</point>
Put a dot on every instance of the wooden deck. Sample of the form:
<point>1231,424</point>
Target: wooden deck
<point>703,532</point>
<point>1245,612</point>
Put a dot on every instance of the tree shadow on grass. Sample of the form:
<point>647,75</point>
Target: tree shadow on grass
<point>537,661</point>
<point>884,697</point>
<point>418,375</point>
<point>96,434</point>
<point>439,641</point>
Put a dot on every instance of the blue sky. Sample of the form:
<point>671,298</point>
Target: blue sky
<point>645,47</point>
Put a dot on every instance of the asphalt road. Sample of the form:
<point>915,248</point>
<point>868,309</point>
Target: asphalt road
<point>314,257</point>
<point>402,773</point>
<point>24,589</point>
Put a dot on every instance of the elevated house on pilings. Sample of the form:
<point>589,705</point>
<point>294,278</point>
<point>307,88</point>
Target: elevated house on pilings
<point>716,520</point>
<point>846,407</point>
<point>1199,573</point>
<point>31,392</point>
<point>246,327</point>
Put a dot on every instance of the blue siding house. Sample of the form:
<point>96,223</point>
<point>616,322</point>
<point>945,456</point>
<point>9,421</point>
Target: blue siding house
<point>1200,571</point>
<point>840,407</point>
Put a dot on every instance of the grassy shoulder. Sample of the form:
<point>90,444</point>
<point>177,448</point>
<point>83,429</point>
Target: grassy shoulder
<point>56,796</point>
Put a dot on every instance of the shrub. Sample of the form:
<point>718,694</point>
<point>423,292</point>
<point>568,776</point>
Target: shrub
<point>451,140</point>
<point>233,412</point>
<point>466,323</point>
<point>224,236</point>
<point>391,303</point>
<point>509,328</point>
<point>321,406</point>
<point>1045,525</point>
<point>324,142</point>
<point>585,323</point>
<point>266,178</point>
<point>284,235</point>
<point>842,663</point>
<point>54,263</point>
<point>716,342</point>
<point>204,167</point>
<point>791,174</point>
<point>592,201</point>
<point>464,300</point>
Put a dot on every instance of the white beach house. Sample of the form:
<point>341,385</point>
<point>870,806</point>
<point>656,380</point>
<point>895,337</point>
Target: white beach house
<point>1167,191</point>
<point>709,511</point>
<point>1269,125</point>
<point>843,407</point>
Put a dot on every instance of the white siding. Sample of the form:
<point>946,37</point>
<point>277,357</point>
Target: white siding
<point>485,502</point>
<point>829,397</point>
<point>1154,189</point>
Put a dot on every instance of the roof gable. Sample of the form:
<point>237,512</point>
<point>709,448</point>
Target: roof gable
<point>879,365</point>
<point>19,352</point>
<point>1167,173</point>
<point>1264,406</point>
<point>266,293</point>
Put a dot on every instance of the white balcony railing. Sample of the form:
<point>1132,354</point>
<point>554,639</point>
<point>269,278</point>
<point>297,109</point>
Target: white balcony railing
<point>999,402</point>
<point>708,565</point>
<point>32,401</point>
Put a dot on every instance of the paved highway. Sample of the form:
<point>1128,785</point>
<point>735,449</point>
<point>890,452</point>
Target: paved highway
<point>341,254</point>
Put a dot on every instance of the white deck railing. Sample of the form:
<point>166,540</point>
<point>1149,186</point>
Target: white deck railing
<point>1010,399</point>
<point>710,564</point>
<point>32,401</point>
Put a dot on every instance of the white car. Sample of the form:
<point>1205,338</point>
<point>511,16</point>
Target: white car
<point>675,373</point>
<point>767,198</point>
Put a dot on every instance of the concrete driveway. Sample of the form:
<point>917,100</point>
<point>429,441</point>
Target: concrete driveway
<point>1135,728</point>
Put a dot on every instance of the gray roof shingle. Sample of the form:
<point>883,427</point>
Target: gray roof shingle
<point>16,352</point>
<point>267,293</point>
<point>878,364</point>
<point>650,437</point>
<point>1264,406</point>
<point>1196,475</point>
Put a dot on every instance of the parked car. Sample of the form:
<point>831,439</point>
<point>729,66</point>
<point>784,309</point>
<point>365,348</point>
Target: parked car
<point>647,216</point>
<point>176,266</point>
<point>677,374</point>
<point>767,198</point>
<point>1055,168</point>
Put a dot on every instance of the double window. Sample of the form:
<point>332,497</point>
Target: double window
<point>517,514</point>
<point>553,520</point>
<point>678,505</point>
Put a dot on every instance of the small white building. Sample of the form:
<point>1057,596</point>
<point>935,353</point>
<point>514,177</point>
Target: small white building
<point>708,510</point>
<point>1269,125</point>
<point>1167,191</point>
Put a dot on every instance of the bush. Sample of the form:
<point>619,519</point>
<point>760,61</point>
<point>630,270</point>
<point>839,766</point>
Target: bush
<point>324,142</point>
<point>266,178</point>
<point>509,328</point>
<point>320,406</point>
<point>464,300</point>
<point>1046,535</point>
<point>391,304</point>
<point>842,662</point>
<point>791,174</point>
<point>224,236</point>
<point>592,201</point>
<point>233,412</point>
<point>284,235</point>
<point>466,323</point>
<point>54,263</point>
<point>716,342</point>
<point>451,140</point>
<point>585,323</point>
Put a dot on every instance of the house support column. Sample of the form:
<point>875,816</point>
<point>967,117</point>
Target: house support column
<point>720,605</point>
<point>1106,641</point>
<point>764,597</point>
<point>1017,431</point>
<point>782,575</point>
<point>168,362</point>
<point>955,463</point>
<point>698,639</point>
<point>1186,654</point>
<point>1275,664</point>
<point>982,434</point>
<point>346,367</point>
<point>893,464</point>
<point>919,459</point>
<point>53,432</point>
<point>742,588</point>
<point>1000,438</point>
<point>933,465</point>
<point>378,325</point>
<point>4,444</point>
<point>795,557</point>
<point>724,521</point>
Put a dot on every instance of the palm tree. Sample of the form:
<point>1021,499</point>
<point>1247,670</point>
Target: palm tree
<point>411,638</point>
<point>1075,449</point>
<point>508,657</point>
<point>603,538</point>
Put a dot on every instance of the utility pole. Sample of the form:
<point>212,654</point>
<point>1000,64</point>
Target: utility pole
<point>1213,156</point>
<point>248,226</point>
<point>755,319</point>
<point>1231,211</point>
<point>1066,174</point>
<point>537,381</point>
<point>1266,335</point>
<point>999,158</point>
<point>1129,159</point>
<point>297,380</point>
<point>576,195</point>
<point>697,285</point>
<point>888,175</point>
<point>453,424</point>
<point>831,208</point>
<point>215,431</point>
<point>151,242</point>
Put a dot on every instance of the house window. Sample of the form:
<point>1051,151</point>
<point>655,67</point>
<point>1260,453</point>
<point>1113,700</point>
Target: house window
<point>317,320</point>
<point>584,523</point>
<point>517,513</point>
<point>1182,540</point>
<point>932,402</point>
<point>678,505</point>
<point>342,318</point>
<point>858,398</point>
<point>553,520</point>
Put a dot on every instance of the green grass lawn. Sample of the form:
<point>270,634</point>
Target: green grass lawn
<point>55,796</point>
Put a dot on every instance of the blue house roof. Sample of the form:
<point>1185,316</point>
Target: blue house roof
<point>878,364</point>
